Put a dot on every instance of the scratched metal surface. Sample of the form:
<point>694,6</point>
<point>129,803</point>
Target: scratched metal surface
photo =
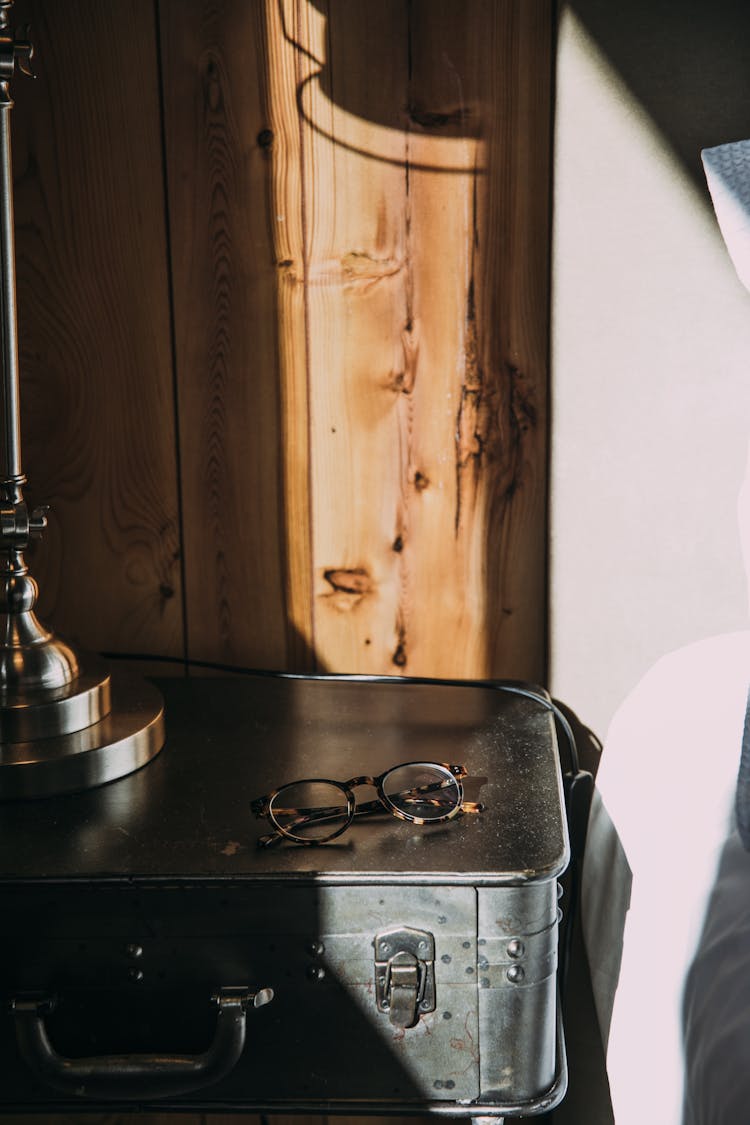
<point>187,815</point>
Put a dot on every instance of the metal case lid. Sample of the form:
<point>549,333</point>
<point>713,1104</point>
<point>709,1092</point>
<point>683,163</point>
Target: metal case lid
<point>186,815</point>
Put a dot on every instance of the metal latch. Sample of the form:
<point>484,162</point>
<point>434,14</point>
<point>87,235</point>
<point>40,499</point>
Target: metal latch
<point>405,974</point>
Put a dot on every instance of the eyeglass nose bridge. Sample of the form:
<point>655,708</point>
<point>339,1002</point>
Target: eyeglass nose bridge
<point>364,780</point>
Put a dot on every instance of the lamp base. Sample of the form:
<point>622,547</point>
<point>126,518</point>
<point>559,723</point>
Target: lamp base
<point>47,712</point>
<point>125,738</point>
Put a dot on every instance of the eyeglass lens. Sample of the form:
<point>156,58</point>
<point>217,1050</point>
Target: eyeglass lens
<point>422,790</point>
<point>310,810</point>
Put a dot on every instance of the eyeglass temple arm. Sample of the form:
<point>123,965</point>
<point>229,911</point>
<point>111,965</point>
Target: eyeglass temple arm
<point>310,816</point>
<point>276,837</point>
<point>318,816</point>
<point>332,812</point>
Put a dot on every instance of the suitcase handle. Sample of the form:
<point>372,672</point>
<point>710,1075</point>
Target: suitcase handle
<point>136,1076</point>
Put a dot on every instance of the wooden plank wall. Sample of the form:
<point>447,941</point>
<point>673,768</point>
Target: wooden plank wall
<point>283,298</point>
<point>283,289</point>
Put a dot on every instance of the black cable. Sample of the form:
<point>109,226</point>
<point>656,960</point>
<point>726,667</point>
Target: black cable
<point>507,686</point>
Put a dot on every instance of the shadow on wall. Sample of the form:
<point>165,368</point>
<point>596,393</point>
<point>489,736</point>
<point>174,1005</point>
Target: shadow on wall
<point>688,65</point>
<point>346,105</point>
<point>671,755</point>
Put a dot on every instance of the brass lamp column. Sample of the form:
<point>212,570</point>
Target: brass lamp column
<point>66,721</point>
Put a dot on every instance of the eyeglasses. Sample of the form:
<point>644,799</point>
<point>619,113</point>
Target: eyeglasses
<point>316,810</point>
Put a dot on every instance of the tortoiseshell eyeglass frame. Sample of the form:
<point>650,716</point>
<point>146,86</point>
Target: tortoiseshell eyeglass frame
<point>264,806</point>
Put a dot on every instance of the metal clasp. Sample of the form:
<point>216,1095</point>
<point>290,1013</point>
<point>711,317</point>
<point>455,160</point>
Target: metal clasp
<point>405,974</point>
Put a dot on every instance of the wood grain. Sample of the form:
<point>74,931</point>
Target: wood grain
<point>359,277</point>
<point>286,224</point>
<point>224,280</point>
<point>417,146</point>
<point>478,434</point>
<point>350,56</point>
<point>513,302</point>
<point>359,247</point>
<point>96,373</point>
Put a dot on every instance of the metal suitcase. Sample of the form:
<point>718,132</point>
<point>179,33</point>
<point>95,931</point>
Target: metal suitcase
<point>412,968</point>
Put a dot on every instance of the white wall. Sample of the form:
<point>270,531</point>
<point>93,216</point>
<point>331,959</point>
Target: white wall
<point>650,349</point>
<point>650,633</point>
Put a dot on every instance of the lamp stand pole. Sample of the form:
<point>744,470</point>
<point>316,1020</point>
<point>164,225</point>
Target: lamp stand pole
<point>66,721</point>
